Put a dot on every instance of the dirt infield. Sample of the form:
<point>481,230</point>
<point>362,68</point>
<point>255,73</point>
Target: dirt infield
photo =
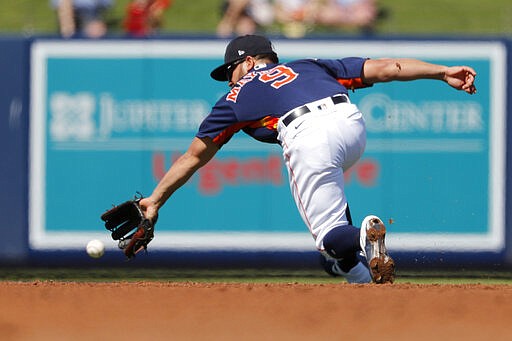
<point>47,310</point>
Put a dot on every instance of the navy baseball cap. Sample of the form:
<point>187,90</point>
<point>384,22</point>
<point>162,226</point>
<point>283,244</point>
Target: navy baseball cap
<point>239,48</point>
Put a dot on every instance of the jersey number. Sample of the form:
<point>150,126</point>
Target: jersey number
<point>279,76</point>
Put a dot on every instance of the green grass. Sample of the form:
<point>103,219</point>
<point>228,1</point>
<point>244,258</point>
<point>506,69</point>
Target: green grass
<point>469,17</point>
<point>405,17</point>
<point>238,276</point>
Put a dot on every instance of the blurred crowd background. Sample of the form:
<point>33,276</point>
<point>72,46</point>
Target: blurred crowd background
<point>226,18</point>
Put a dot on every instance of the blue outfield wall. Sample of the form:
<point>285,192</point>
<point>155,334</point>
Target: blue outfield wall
<point>14,99</point>
<point>89,123</point>
<point>508,202</point>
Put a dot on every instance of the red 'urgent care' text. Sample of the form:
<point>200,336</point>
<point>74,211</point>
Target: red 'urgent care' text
<point>257,170</point>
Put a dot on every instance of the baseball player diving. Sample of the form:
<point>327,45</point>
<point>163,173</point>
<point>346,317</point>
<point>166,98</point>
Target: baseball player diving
<point>304,106</point>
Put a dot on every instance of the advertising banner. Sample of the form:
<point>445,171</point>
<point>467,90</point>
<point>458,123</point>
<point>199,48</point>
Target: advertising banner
<point>108,118</point>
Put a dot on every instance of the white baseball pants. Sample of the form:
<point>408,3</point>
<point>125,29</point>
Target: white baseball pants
<point>317,148</point>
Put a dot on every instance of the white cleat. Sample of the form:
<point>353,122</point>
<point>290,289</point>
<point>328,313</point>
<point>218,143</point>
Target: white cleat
<point>382,266</point>
<point>359,274</point>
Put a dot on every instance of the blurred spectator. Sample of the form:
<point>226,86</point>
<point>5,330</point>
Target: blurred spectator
<point>298,16</point>
<point>358,14</point>
<point>82,17</point>
<point>145,17</point>
<point>295,16</point>
<point>241,17</point>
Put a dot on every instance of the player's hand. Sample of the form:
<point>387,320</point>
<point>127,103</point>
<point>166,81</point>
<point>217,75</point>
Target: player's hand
<point>149,208</point>
<point>461,78</point>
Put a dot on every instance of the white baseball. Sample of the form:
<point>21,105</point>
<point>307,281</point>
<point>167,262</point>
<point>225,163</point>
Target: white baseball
<point>95,248</point>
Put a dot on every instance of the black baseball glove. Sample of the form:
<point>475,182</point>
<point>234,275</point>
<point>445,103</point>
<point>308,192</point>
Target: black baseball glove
<point>129,225</point>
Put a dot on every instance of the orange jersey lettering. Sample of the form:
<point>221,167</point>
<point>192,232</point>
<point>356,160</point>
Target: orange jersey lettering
<point>278,76</point>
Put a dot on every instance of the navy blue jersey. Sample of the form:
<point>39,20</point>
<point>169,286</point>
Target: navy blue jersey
<point>261,97</point>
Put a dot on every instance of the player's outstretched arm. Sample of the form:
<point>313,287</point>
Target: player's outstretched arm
<point>405,69</point>
<point>200,151</point>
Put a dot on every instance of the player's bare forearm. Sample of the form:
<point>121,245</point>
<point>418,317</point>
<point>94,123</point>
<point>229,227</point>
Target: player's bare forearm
<point>198,154</point>
<point>405,69</point>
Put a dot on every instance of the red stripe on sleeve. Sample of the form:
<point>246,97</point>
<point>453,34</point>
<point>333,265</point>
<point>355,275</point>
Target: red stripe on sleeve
<point>352,83</point>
